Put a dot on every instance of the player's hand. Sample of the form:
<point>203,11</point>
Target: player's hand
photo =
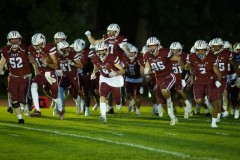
<point>217,84</point>
<point>141,90</point>
<point>93,76</point>
<point>88,33</point>
<point>112,73</point>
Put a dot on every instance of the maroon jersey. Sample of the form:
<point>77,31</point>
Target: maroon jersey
<point>176,66</point>
<point>132,68</point>
<point>65,63</point>
<point>107,65</point>
<point>160,64</point>
<point>85,58</point>
<point>223,61</point>
<point>203,69</point>
<point>46,52</point>
<point>17,61</point>
<point>113,44</point>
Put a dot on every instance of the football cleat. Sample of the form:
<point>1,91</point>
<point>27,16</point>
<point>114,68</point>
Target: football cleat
<point>10,110</point>
<point>186,113</point>
<point>110,111</point>
<point>26,113</point>
<point>103,119</point>
<point>208,114</point>
<point>214,125</point>
<point>87,113</point>
<point>236,115</point>
<point>61,115</point>
<point>160,111</point>
<point>21,121</point>
<point>173,121</point>
<point>35,114</point>
<point>225,114</point>
<point>55,111</point>
<point>138,111</point>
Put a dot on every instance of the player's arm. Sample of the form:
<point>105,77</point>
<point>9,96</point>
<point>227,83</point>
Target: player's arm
<point>2,63</point>
<point>147,70</point>
<point>217,72</point>
<point>34,63</point>
<point>120,68</point>
<point>92,40</point>
<point>77,63</point>
<point>53,65</point>
<point>235,67</point>
<point>189,67</point>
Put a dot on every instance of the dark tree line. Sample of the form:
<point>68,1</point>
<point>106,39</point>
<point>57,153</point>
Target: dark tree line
<point>172,20</point>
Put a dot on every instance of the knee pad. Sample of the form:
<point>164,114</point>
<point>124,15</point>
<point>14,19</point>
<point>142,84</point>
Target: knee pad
<point>16,105</point>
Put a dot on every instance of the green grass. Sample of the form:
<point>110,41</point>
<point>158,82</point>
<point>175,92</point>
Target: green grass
<point>125,136</point>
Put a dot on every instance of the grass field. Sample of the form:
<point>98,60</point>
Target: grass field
<point>125,136</point>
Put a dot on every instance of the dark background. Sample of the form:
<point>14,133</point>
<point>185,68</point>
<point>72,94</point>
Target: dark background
<point>171,20</point>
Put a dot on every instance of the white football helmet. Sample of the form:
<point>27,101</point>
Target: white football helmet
<point>201,45</point>
<point>17,39</point>
<point>176,45</point>
<point>59,36</point>
<point>79,45</point>
<point>13,35</point>
<point>153,41</point>
<point>216,42</point>
<point>63,48</point>
<point>38,39</point>
<point>227,45</point>
<point>102,50</point>
<point>113,30</point>
<point>192,50</point>
<point>176,48</point>
<point>237,48</point>
<point>144,50</point>
<point>133,52</point>
<point>216,45</point>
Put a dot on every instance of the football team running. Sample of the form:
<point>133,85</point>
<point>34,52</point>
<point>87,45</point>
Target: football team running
<point>113,70</point>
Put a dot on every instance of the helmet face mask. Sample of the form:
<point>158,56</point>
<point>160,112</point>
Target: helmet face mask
<point>227,46</point>
<point>201,53</point>
<point>59,36</point>
<point>153,49</point>
<point>216,45</point>
<point>153,45</point>
<point>113,30</point>
<point>176,48</point>
<point>63,48</point>
<point>38,41</point>
<point>201,49</point>
<point>176,51</point>
<point>14,39</point>
<point>79,45</point>
<point>102,54</point>
<point>132,56</point>
<point>102,50</point>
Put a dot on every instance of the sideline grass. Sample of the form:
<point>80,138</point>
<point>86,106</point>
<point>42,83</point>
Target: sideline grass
<point>125,136</point>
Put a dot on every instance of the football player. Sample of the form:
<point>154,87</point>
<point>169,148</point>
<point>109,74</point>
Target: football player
<point>158,60</point>
<point>178,70</point>
<point>206,77</point>
<point>45,56</point>
<point>110,80</point>
<point>15,55</point>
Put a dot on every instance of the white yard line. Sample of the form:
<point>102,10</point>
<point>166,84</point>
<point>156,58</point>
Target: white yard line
<point>176,154</point>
